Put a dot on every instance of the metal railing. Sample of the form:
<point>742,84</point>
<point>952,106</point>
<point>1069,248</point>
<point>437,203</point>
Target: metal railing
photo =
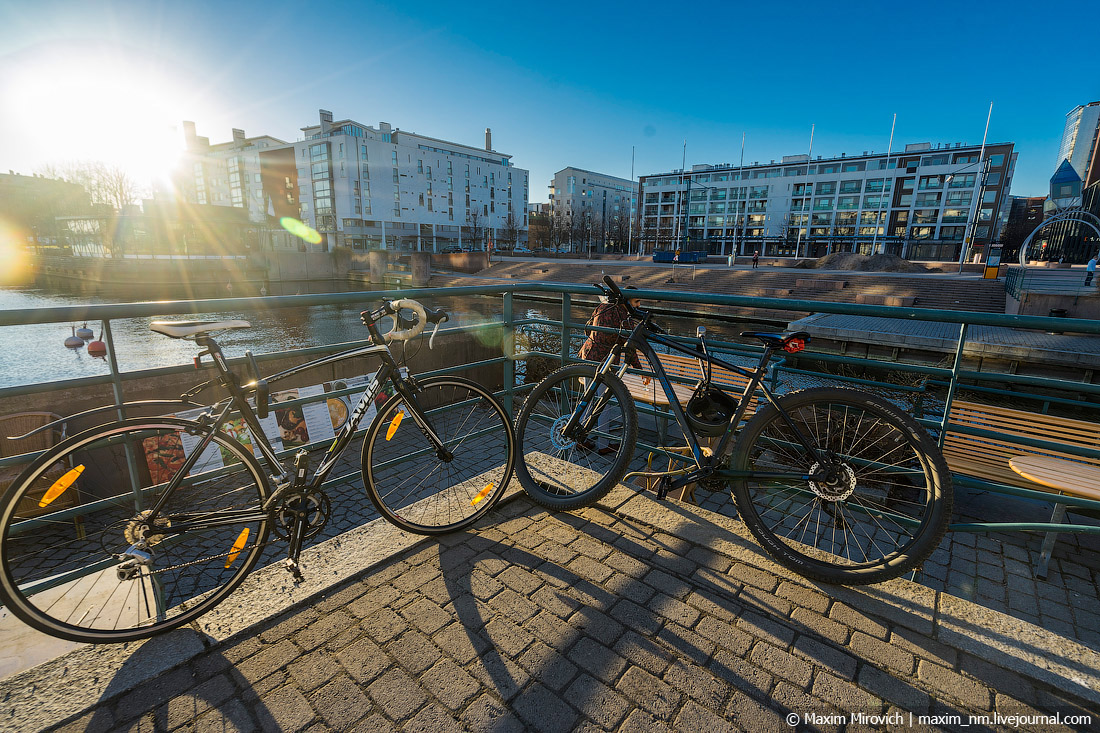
<point>1049,280</point>
<point>933,413</point>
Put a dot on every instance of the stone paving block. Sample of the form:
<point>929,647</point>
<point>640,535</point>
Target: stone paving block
<point>674,610</point>
<point>385,573</point>
<point>450,684</point>
<point>644,653</point>
<point>489,714</point>
<point>552,631</point>
<point>673,563</point>
<point>842,694</point>
<point>483,586</point>
<point>923,647</point>
<point>709,559</point>
<point>626,564</point>
<point>548,666</point>
<point>640,721</point>
<point>590,547</point>
<point>752,715</point>
<point>725,635</point>
<point>200,698</point>
<point>590,569</point>
<point>414,651</point>
<point>433,719</point>
<point>364,660</point>
<point>649,693</point>
<point>781,663</point>
<point>803,597</point>
<point>684,642</point>
<point>1000,679</point>
<point>697,683</point>
<point>741,674</point>
<point>881,653</point>
<point>154,692</point>
<point>340,703</point>
<point>557,602</point>
<point>899,691</point>
<point>373,601</point>
<point>597,702</point>
<point>397,694</point>
<point>341,598</point>
<point>854,619</point>
<point>383,625</point>
<point>813,623</point>
<point>544,711</point>
<point>954,686</point>
<point>828,657</point>
<point>764,602</point>
<point>792,698</point>
<point>596,624</point>
<point>229,717</point>
<point>635,617</point>
<point>503,676</point>
<point>513,605</point>
<point>766,628</point>
<point>507,636</point>
<point>287,624</point>
<point>520,579</point>
<point>623,586</point>
<point>490,562</point>
<point>312,670</point>
<point>284,709</point>
<point>426,616</point>
<point>596,659</point>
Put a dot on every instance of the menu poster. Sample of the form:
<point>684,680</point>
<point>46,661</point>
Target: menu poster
<point>340,407</point>
<point>316,414</point>
<point>164,456</point>
<point>291,421</point>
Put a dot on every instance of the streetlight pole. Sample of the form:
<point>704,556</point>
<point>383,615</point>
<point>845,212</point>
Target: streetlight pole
<point>974,204</point>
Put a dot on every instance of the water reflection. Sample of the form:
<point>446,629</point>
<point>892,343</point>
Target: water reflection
<point>36,353</point>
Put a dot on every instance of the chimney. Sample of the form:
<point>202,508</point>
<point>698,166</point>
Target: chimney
<point>488,139</point>
<point>326,120</point>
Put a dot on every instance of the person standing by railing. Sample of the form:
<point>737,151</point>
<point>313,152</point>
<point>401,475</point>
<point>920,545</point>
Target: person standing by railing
<point>1090,270</point>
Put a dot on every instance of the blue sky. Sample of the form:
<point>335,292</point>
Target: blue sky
<point>560,84</point>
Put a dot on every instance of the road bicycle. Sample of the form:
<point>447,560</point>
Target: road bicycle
<point>166,516</point>
<point>836,484</point>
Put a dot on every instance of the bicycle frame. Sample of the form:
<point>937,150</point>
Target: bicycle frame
<point>639,339</point>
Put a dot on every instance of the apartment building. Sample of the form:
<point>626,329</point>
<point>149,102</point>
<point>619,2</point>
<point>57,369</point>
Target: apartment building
<point>593,207</point>
<point>921,198</point>
<point>374,187</point>
<point>1081,142</point>
<point>224,174</point>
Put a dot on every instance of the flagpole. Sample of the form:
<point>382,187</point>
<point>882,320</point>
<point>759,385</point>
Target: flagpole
<point>977,194</point>
<point>809,157</point>
<point>878,215</point>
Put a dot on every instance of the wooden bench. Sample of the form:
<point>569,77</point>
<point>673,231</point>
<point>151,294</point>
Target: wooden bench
<point>775,292</point>
<point>683,367</point>
<point>819,284</point>
<point>988,458</point>
<point>894,300</point>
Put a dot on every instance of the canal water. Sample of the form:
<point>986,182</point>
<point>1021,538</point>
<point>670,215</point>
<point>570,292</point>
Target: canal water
<point>37,353</point>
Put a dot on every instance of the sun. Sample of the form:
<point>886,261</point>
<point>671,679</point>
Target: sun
<point>102,106</point>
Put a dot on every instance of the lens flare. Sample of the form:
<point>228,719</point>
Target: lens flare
<point>300,229</point>
<point>15,260</point>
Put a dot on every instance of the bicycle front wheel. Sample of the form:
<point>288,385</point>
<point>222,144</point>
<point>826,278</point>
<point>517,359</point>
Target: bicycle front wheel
<point>568,472</point>
<point>80,558</point>
<point>882,497</point>
<point>426,491</point>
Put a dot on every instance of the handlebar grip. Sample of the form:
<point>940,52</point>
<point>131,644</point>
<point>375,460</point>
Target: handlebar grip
<point>397,334</point>
<point>614,288</point>
<point>436,315</point>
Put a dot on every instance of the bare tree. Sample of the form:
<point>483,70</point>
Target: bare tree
<point>475,227</point>
<point>509,232</point>
<point>105,184</point>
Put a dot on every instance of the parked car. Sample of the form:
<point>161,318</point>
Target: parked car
<point>451,249</point>
<point>521,250</point>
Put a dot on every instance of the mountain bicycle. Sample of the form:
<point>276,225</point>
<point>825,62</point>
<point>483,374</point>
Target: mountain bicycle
<point>166,516</point>
<point>836,484</point>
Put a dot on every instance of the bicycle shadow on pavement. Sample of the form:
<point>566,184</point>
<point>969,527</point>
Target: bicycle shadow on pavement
<point>582,606</point>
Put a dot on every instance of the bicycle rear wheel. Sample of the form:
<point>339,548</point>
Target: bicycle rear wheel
<point>884,506</point>
<point>80,561</point>
<point>562,472</point>
<point>429,492</point>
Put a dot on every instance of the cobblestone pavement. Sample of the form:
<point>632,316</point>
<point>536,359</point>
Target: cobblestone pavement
<point>632,615</point>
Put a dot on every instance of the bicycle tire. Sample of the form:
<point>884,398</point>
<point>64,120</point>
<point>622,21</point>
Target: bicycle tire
<point>887,508</point>
<point>558,473</point>
<point>422,492</point>
<point>58,569</point>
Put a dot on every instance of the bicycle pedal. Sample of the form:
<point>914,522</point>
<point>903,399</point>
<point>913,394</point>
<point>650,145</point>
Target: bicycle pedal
<point>295,570</point>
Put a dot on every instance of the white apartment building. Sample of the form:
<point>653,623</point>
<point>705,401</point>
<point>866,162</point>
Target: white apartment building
<point>366,187</point>
<point>1081,142</point>
<point>922,197</point>
<point>594,206</point>
<point>224,174</point>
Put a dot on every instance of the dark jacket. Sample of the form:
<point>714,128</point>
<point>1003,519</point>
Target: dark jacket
<point>599,343</point>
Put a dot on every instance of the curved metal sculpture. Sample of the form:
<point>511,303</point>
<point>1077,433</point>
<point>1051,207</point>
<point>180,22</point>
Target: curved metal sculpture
<point>1076,213</point>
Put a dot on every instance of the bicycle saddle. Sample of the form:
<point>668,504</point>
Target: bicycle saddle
<point>183,329</point>
<point>776,340</point>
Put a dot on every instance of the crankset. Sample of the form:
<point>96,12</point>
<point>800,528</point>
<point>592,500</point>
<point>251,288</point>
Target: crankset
<point>313,507</point>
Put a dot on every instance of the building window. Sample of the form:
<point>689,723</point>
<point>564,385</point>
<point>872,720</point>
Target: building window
<point>825,188</point>
<point>419,166</point>
<point>393,158</point>
<point>996,161</point>
<point>925,200</point>
<point>850,186</point>
<point>825,203</point>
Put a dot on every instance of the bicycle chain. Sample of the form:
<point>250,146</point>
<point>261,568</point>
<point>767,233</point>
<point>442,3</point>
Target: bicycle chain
<point>202,560</point>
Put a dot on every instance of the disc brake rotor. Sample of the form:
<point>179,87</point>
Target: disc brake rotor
<point>839,488</point>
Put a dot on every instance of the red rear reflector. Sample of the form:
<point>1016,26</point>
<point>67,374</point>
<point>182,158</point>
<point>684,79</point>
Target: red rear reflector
<point>794,346</point>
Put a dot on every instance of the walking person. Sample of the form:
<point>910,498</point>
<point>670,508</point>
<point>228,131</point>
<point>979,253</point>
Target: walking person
<point>755,259</point>
<point>1090,270</point>
<point>596,348</point>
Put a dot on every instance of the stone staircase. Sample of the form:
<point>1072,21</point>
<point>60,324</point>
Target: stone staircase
<point>944,293</point>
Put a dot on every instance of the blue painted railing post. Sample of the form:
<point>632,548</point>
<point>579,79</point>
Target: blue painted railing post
<point>508,338</point>
<point>953,384</point>
<point>566,317</point>
<point>116,389</point>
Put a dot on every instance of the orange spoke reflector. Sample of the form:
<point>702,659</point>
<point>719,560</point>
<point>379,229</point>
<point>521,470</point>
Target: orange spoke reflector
<point>242,538</point>
<point>60,485</point>
<point>481,494</point>
<point>395,424</point>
